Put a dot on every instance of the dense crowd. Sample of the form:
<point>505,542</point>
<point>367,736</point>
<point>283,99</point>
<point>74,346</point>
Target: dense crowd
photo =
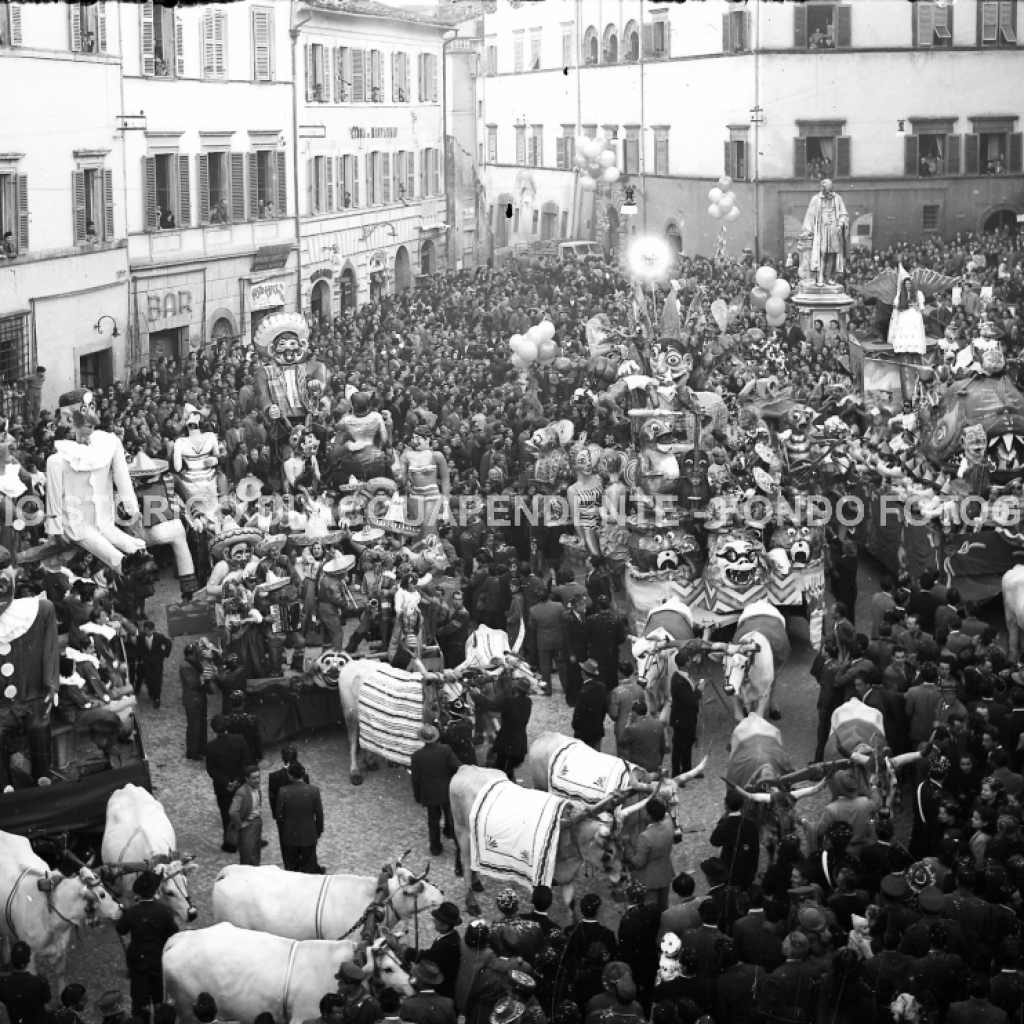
<point>845,924</point>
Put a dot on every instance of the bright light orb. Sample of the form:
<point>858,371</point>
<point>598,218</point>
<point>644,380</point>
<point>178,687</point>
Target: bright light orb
<point>649,258</point>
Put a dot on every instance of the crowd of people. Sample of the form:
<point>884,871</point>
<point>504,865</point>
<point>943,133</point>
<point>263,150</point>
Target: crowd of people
<point>847,924</point>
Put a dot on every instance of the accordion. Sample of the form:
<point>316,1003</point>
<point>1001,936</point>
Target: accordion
<point>286,617</point>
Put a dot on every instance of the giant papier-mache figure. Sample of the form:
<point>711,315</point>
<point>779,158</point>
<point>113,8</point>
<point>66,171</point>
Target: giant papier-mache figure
<point>86,478</point>
<point>289,379</point>
<point>423,475</point>
<point>29,671</point>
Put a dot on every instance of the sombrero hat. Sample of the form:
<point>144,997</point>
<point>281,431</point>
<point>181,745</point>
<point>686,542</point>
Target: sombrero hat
<point>273,583</point>
<point>339,563</point>
<point>235,535</point>
<point>272,544</point>
<point>350,487</point>
<point>328,539</point>
<point>368,535</point>
<point>144,465</point>
<point>249,488</point>
<point>393,520</point>
<point>378,485</point>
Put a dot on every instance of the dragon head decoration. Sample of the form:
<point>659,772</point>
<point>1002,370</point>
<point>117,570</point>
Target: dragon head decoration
<point>673,550</point>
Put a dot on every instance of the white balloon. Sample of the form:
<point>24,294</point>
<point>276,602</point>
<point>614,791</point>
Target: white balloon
<point>726,203</point>
<point>781,289</point>
<point>714,211</point>
<point>607,158</point>
<point>715,195</point>
<point>580,160</point>
<point>610,174</point>
<point>733,214</point>
<point>513,342</point>
<point>581,143</point>
<point>725,181</point>
<point>593,149</point>
<point>546,330</point>
<point>588,184</point>
<point>594,168</point>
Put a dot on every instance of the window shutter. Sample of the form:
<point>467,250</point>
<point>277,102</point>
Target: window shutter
<point>433,78</point>
<point>329,174</point>
<point>910,156</point>
<point>385,175</point>
<point>394,78</point>
<point>661,156</point>
<point>728,160</point>
<point>952,154</point>
<point>220,65</point>
<point>535,52</point>
<point>184,194</point>
<point>78,192</point>
<point>76,27</point>
<point>1016,162</point>
<point>22,186</point>
<point>203,163</point>
<point>281,180</point>
<point>410,174</point>
<point>518,62</point>
<point>492,60</point>
<point>108,205</point>
<point>923,24</point>
<point>520,146</point>
<point>648,39</point>
<point>560,154</point>
<point>254,186</point>
<point>844,26</point>
<point>149,177</point>
<point>15,10</point>
<point>358,58</point>
<point>424,158</point>
<point>179,46</point>
<point>237,187</point>
<point>799,158</point>
<point>726,33</point>
<point>148,53</point>
<point>101,27</point>
<point>800,27</point>
<point>1007,22</point>
<point>971,154</point>
<point>989,13</point>
<point>354,163</point>
<point>334,91</point>
<point>843,156</point>
<point>406,82</point>
<point>745,26</point>
<point>261,39</point>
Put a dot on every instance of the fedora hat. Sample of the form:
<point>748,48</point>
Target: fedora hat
<point>144,465</point>
<point>429,733</point>
<point>715,870</point>
<point>109,1003</point>
<point>146,885</point>
<point>448,914</point>
<point>590,667</point>
<point>427,973</point>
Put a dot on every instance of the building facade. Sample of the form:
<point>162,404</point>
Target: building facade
<point>64,261</point>
<point>212,239</point>
<point>897,101</point>
<point>371,173</point>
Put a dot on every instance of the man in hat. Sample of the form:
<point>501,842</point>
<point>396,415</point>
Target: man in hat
<point>227,755</point>
<point>589,930</point>
<point>791,984</point>
<point>643,739</point>
<point>194,690</point>
<point>111,1007</point>
<point>331,602</point>
<point>446,950</point>
<point>280,778</point>
<point>638,940</point>
<point>651,857</point>
<point>148,926</point>
<point>428,1006</point>
<point>605,633</point>
<point>851,807</point>
<point>739,838</point>
<point>147,652</point>
<point>573,650</point>
<point>234,549</point>
<point>300,822</point>
<point>86,478</point>
<point>23,993</point>
<point>433,766</point>
<point>591,706</point>
<point>928,798</point>
<point>360,1007</point>
<point>241,723</point>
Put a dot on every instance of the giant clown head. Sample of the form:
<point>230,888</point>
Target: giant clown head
<point>737,571</point>
<point>78,408</point>
<point>282,338</point>
<point>670,362</point>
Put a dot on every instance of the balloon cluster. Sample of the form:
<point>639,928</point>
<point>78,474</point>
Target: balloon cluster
<point>596,161</point>
<point>770,294</point>
<point>723,202</point>
<point>537,345</point>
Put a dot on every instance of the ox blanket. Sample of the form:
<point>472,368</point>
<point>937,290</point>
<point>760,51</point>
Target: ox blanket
<point>391,713</point>
<point>578,772</point>
<point>514,833</point>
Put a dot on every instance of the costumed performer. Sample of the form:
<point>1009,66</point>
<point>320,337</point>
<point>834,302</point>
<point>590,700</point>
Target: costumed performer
<point>82,478</point>
<point>196,458</point>
<point>332,600</point>
<point>424,473</point>
<point>906,328</point>
<point>585,497</point>
<point>237,561</point>
<point>364,436</point>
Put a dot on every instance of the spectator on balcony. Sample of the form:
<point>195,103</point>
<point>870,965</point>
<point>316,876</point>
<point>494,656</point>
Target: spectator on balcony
<point>165,218</point>
<point>91,235</point>
<point>9,247</point>
<point>219,214</point>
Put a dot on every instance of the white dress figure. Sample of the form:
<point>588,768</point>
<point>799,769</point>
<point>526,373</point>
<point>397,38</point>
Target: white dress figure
<point>906,328</point>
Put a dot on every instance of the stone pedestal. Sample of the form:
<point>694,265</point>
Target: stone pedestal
<point>824,302</point>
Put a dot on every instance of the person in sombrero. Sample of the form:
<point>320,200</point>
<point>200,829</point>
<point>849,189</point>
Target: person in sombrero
<point>332,598</point>
<point>235,551</point>
<point>277,594</point>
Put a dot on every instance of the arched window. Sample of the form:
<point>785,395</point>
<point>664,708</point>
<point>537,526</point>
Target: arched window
<point>631,42</point>
<point>674,239</point>
<point>590,46</point>
<point>610,46</point>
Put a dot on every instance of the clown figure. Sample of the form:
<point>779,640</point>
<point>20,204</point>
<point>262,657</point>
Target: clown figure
<point>85,479</point>
<point>285,379</point>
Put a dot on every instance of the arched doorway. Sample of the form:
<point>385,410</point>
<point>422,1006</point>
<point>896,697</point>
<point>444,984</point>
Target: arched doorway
<point>611,243</point>
<point>611,45</point>
<point>320,301</point>
<point>1000,220</point>
<point>428,257</point>
<point>502,220</point>
<point>403,270</point>
<point>674,239</point>
<point>347,289</point>
<point>222,334</point>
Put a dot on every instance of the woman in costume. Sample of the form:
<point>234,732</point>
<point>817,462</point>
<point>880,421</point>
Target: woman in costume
<point>585,498</point>
<point>423,474</point>
<point>365,436</point>
<point>196,457</point>
<point>906,329</point>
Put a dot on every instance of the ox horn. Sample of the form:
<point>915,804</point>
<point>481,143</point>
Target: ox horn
<point>401,860</point>
<point>423,877</point>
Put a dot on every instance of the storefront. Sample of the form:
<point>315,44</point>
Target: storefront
<point>169,314</point>
<point>321,300</point>
<point>264,298</point>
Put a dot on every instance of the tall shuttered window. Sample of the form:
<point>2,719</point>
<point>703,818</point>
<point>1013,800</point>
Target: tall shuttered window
<point>661,151</point>
<point>268,184</point>
<point>316,73</point>
<point>93,193</point>
<point>997,22</point>
<point>348,180</point>
<point>162,41</point>
<point>492,144</point>
<point>262,44</point>
<point>215,61</point>
<point>168,193</point>
<point>932,24</point>
<point>10,24</point>
<point>14,212</point>
<point>88,24</point>
<point>521,145</point>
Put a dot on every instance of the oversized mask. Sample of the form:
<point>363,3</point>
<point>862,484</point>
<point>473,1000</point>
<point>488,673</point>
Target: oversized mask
<point>670,363</point>
<point>737,571</point>
<point>289,349</point>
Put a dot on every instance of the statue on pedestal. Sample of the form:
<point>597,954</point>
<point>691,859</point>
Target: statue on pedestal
<point>827,228</point>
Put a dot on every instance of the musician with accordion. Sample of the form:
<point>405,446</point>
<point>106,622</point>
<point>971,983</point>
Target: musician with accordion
<point>278,601</point>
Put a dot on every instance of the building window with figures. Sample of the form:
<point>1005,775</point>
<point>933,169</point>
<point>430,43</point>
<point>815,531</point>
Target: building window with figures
<point>737,152</point>
<point>168,193</point>
<point>631,42</point>
<point>349,181</point>
<point>610,46</point>
<point>10,24</point>
<point>565,148</point>
<point>535,50</point>
<point>931,150</point>
<point>736,32</point>
<point>94,205</point>
<point>820,25</point>
<point>15,347</point>
<point>537,146</point>
<point>993,147</point>
<point>821,151</point>
<point>268,184</point>
<point>13,213</point>
<point>316,73</point>
<point>88,27</point>
<point>655,38</point>
<point>161,41</point>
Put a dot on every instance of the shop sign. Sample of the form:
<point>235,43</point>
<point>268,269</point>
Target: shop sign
<point>374,133</point>
<point>266,294</point>
<point>378,261</point>
<point>168,305</point>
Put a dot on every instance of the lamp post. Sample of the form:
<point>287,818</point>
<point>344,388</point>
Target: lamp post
<point>294,33</point>
<point>449,200</point>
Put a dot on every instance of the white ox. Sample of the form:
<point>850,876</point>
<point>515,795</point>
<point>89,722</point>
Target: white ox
<point>753,660</point>
<point>138,835</point>
<point>296,906</point>
<point>44,907</point>
<point>250,972</point>
<point>1013,606</point>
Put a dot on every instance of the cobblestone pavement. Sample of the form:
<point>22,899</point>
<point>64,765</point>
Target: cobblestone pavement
<point>369,825</point>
